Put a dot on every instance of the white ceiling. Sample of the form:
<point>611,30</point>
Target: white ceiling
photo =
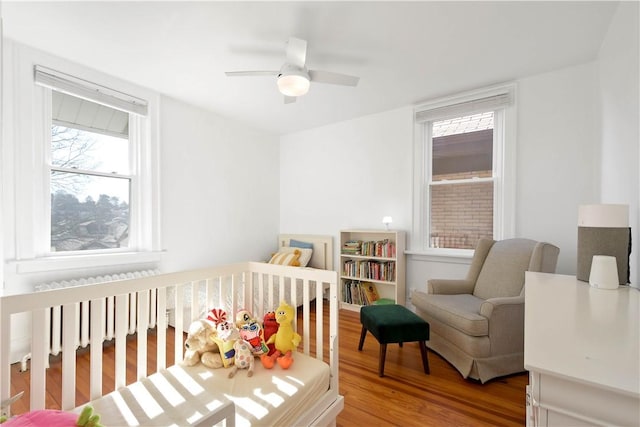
<point>403,52</point>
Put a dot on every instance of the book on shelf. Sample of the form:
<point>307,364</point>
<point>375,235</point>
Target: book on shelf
<point>352,247</point>
<point>360,293</point>
<point>368,269</point>
<point>370,291</point>
<point>381,248</point>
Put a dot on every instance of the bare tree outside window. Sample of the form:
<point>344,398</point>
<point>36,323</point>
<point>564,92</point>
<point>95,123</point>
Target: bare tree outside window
<point>89,182</point>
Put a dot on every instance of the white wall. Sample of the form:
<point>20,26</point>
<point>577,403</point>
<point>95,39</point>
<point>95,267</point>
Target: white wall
<point>347,175</point>
<point>220,190</point>
<point>619,88</point>
<point>557,167</point>
<point>352,173</point>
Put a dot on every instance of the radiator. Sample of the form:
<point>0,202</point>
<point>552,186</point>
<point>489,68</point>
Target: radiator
<point>54,316</point>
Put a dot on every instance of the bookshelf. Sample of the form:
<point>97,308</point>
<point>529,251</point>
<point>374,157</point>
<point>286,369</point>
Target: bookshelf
<point>371,260</point>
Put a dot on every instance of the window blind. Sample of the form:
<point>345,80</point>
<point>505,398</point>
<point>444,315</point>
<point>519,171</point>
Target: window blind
<point>90,91</point>
<point>463,107</point>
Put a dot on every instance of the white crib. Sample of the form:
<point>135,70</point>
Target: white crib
<point>217,396</point>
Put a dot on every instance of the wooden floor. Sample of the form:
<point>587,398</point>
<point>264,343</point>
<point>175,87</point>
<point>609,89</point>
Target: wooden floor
<point>407,396</point>
<point>404,396</point>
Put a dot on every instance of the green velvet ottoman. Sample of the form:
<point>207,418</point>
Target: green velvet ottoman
<point>394,324</point>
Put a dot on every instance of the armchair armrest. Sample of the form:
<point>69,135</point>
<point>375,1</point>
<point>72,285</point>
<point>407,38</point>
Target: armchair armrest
<point>450,286</point>
<point>506,323</point>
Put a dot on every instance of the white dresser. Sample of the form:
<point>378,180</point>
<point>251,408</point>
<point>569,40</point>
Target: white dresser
<point>582,351</point>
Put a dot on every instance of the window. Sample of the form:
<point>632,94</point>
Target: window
<point>90,175</point>
<point>464,167</point>
<point>77,133</point>
<point>99,169</point>
<point>461,181</point>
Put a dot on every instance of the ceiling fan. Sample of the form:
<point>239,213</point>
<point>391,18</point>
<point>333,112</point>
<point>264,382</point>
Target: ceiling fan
<point>294,78</point>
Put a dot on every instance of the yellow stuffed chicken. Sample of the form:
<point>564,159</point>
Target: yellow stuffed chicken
<point>286,340</point>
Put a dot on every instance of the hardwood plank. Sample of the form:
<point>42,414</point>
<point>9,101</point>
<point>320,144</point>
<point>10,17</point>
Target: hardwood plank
<point>20,380</point>
<point>405,395</point>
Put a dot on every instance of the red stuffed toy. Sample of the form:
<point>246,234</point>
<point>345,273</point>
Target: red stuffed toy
<point>270,327</point>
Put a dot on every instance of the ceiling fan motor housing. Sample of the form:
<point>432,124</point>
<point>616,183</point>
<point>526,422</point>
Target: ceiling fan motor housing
<point>293,81</point>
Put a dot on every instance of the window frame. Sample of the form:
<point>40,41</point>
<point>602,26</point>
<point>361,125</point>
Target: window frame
<point>504,167</point>
<point>28,139</point>
<point>131,176</point>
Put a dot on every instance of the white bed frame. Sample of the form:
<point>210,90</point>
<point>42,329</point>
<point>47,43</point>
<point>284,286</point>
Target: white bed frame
<point>322,256</point>
<point>152,291</point>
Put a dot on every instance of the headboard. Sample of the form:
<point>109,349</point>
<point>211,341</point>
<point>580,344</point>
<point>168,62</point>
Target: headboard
<point>322,256</point>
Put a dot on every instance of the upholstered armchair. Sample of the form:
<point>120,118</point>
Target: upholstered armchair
<point>477,323</point>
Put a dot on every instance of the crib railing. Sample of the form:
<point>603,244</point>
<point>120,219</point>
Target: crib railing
<point>238,279</point>
<point>53,317</point>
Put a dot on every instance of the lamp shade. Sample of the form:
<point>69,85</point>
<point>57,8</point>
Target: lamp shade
<point>603,216</point>
<point>293,84</point>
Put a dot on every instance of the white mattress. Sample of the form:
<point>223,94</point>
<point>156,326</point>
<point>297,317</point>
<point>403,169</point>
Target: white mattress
<point>182,395</point>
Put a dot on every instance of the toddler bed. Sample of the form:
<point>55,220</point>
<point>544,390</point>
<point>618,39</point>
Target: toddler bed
<point>304,394</point>
<point>316,252</point>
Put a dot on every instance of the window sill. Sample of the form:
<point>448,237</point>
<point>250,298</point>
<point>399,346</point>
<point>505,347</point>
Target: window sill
<point>451,256</point>
<point>56,263</point>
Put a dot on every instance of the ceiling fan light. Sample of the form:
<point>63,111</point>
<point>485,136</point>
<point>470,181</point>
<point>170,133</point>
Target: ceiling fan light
<point>293,84</point>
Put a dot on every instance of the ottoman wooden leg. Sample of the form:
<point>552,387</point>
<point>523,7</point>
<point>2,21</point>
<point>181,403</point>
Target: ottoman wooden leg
<point>425,359</point>
<point>383,356</point>
<point>363,334</point>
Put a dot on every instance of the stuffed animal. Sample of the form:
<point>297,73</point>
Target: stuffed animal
<point>54,418</point>
<point>243,317</point>
<point>201,346</point>
<point>270,327</point>
<point>251,331</point>
<point>227,335</point>
<point>286,339</point>
<point>243,357</point>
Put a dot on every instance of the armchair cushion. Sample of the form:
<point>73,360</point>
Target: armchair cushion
<point>461,311</point>
<point>502,274</point>
<point>449,286</point>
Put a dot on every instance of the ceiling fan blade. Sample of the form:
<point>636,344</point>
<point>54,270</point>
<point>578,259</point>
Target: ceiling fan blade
<point>333,78</point>
<point>296,52</point>
<point>250,73</point>
<point>289,99</point>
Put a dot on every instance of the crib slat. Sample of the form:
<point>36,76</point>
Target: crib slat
<point>306,317</point>
<point>84,330</point>
<point>143,316</point>
<point>281,293</point>
<point>333,331</point>
<point>153,319</point>
<point>132,313</point>
<point>122,313</point>
<point>234,303</point>
<point>55,325</point>
<point>319,322</point>
<point>69,334</point>
<point>260,296</point>
<point>5,366</point>
<point>209,296</point>
<point>38,360</point>
<point>195,301</point>
<point>179,308</point>
<point>110,318</point>
<point>161,325</point>
<point>97,330</point>
<point>271,304</point>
